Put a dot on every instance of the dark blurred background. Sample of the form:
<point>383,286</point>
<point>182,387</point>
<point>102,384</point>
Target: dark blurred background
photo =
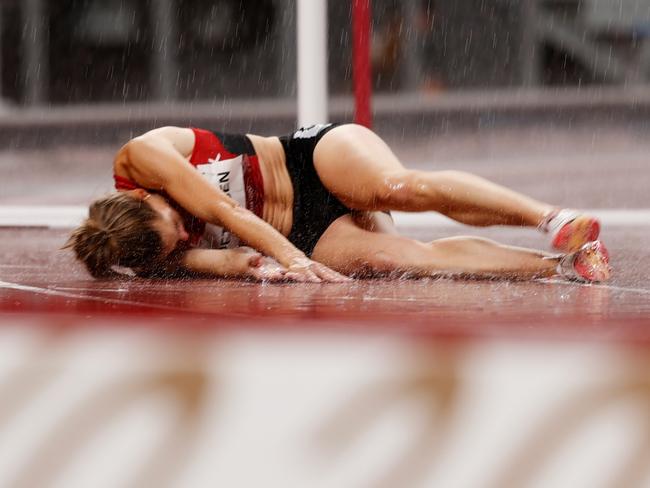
<point>80,51</point>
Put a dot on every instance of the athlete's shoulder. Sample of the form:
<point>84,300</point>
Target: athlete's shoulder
<point>182,138</point>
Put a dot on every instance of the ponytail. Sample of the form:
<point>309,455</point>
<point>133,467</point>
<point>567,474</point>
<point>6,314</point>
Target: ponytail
<point>117,233</point>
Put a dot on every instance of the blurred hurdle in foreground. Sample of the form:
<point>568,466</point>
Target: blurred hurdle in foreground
<point>129,403</point>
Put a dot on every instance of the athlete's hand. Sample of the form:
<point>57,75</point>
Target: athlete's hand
<point>260,267</point>
<point>306,270</point>
<point>266,269</point>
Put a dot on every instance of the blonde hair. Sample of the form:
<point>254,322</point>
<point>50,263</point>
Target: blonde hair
<point>118,232</point>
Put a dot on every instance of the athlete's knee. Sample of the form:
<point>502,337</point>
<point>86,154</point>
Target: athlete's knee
<point>380,262</point>
<point>401,254</point>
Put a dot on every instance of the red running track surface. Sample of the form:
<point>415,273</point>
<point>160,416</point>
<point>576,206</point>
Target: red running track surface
<point>38,278</point>
<point>315,404</point>
<point>587,167</point>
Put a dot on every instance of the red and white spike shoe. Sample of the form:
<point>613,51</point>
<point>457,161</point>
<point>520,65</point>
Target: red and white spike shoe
<point>570,230</point>
<point>588,264</point>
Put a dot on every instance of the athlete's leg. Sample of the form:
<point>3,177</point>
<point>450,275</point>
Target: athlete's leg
<point>361,170</point>
<point>369,246</point>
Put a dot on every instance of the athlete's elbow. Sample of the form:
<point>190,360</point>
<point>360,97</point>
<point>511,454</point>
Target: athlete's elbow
<point>139,145</point>
<point>133,149</point>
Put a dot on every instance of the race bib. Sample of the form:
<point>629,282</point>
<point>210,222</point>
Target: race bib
<point>228,176</point>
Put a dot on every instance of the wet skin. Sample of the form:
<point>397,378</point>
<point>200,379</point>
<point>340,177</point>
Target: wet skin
<point>359,168</point>
<point>246,261</point>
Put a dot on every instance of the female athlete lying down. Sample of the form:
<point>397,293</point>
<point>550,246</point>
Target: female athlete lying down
<point>311,206</point>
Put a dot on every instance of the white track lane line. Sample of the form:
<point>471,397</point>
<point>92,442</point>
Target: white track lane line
<point>46,291</point>
<point>556,281</point>
<point>69,216</point>
<point>614,217</point>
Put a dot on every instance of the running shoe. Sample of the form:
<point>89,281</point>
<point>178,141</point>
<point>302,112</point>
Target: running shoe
<point>570,230</point>
<point>588,264</point>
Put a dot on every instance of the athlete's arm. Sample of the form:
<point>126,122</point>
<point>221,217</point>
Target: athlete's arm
<point>241,262</point>
<point>158,160</point>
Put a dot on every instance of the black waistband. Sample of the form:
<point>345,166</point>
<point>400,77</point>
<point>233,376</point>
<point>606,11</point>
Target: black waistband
<point>236,143</point>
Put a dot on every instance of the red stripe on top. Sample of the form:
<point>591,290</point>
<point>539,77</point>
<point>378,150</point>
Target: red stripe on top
<point>207,146</point>
<point>122,183</point>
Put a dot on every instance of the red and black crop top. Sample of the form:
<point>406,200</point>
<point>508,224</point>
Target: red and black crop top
<point>229,162</point>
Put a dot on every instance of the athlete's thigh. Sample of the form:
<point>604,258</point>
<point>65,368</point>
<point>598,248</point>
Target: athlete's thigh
<point>364,243</point>
<point>351,161</point>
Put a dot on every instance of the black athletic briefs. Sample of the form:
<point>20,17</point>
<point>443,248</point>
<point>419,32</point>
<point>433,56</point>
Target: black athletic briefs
<point>314,207</point>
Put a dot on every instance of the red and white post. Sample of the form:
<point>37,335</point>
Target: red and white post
<point>312,62</point>
<point>361,68</point>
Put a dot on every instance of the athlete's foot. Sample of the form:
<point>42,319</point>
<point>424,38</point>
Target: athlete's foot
<point>570,230</point>
<point>588,264</point>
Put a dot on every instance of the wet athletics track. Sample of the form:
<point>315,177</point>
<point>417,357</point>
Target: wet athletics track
<point>373,383</point>
<point>602,168</point>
